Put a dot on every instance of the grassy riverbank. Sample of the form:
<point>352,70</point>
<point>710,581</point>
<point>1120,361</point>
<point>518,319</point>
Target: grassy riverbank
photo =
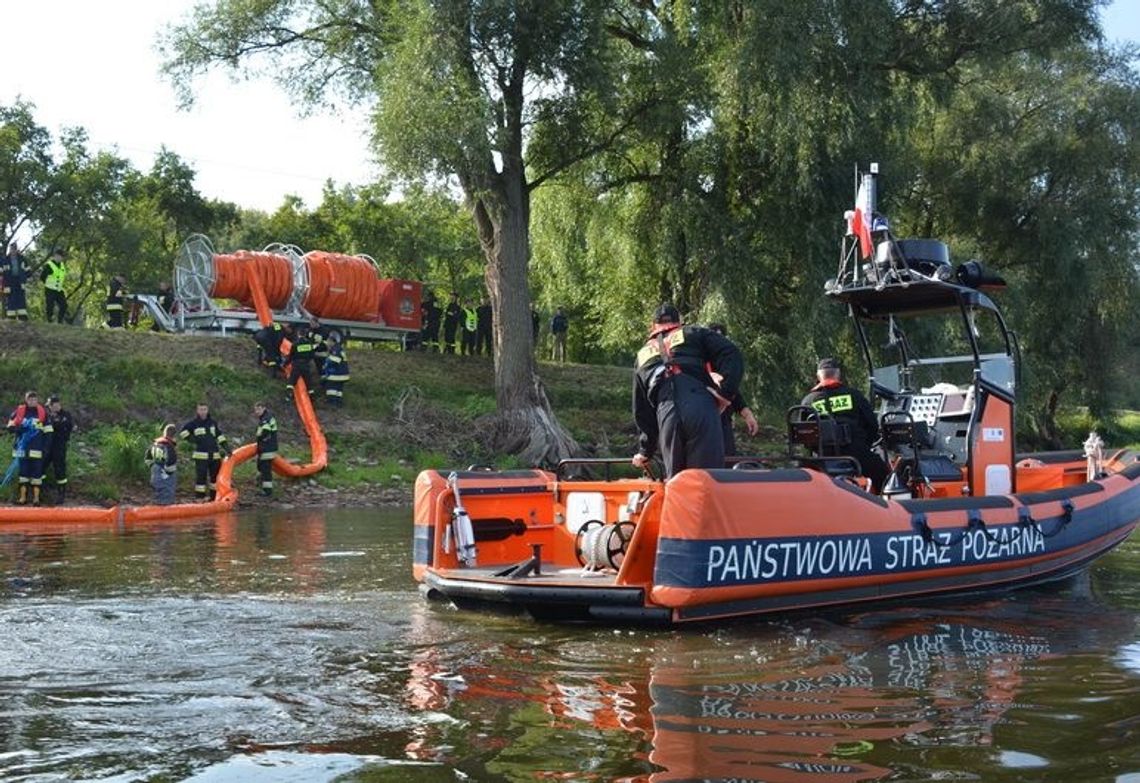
<point>403,411</point>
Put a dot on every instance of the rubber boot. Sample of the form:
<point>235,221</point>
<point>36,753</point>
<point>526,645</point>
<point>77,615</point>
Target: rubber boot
<point>35,495</point>
<point>23,498</point>
<point>60,494</point>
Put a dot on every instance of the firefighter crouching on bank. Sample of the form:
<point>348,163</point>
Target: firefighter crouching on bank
<point>162,459</point>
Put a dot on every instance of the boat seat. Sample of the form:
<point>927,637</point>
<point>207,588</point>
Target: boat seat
<point>938,467</point>
<point>823,436</point>
<point>914,441</point>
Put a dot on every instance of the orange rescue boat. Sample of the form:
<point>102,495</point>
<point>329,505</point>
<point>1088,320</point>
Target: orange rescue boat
<point>960,512</point>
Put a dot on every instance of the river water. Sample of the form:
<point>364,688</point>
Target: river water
<point>295,647</point>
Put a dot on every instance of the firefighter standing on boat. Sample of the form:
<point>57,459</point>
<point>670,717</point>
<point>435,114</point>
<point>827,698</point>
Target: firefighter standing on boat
<point>209,442</point>
<point>676,405</point>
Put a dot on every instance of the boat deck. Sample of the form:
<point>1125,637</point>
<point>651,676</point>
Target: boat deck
<point>549,575</point>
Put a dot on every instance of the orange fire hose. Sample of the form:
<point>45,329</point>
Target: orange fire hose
<point>226,495</point>
<point>340,286</point>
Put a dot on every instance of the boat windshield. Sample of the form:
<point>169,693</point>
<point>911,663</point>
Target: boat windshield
<point>916,352</point>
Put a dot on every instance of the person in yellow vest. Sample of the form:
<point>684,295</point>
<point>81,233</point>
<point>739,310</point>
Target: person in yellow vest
<point>470,328</point>
<point>54,275</point>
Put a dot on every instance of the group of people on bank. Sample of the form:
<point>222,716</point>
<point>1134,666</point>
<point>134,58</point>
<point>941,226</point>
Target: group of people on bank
<point>469,326</point>
<point>41,435</point>
<point>313,351</point>
<point>209,446</point>
<point>686,389</point>
<point>16,271</point>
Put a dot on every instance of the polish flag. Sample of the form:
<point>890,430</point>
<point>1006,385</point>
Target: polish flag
<point>861,222</point>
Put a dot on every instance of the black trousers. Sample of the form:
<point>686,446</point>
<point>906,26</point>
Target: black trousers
<point>302,368</point>
<point>483,340</point>
<point>205,474</point>
<point>55,301</point>
<point>58,461</point>
<point>265,471</point>
<point>449,331</point>
<point>727,432</point>
<point>689,426</point>
<point>874,467</point>
<point>468,342</point>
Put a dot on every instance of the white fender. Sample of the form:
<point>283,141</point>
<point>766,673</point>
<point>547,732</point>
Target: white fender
<point>461,526</point>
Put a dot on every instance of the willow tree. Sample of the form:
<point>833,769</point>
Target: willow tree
<point>456,88</point>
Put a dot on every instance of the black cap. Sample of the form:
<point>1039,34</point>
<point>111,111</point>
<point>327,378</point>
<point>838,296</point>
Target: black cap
<point>53,398</point>
<point>828,364</point>
<point>666,314</point>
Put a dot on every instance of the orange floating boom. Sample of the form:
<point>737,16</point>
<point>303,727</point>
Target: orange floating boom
<point>254,269</point>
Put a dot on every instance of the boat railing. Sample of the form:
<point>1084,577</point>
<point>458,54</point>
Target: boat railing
<point>606,463</point>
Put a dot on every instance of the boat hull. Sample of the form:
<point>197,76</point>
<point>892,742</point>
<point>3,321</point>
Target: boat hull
<point>722,543</point>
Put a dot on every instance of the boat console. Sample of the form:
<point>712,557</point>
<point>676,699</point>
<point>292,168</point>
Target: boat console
<point>942,364</point>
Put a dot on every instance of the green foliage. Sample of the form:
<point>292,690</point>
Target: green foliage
<point>697,152</point>
<point>123,452</point>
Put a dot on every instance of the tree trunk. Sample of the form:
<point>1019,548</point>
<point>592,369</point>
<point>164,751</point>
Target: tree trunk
<point>525,423</point>
<point>1048,421</point>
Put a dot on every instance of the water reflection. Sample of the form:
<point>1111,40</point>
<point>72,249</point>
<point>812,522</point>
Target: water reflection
<point>295,647</point>
<point>856,698</point>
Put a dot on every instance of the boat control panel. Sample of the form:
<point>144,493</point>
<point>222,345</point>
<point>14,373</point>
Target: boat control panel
<point>941,415</point>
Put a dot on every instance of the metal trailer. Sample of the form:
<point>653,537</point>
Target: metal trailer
<point>196,312</point>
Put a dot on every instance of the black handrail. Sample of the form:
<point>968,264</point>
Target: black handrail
<point>607,462</point>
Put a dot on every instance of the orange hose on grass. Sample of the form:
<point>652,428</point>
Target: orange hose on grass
<point>226,493</point>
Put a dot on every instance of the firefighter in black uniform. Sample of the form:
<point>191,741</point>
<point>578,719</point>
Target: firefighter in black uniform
<point>116,294</point>
<point>832,397</point>
<point>484,320</point>
<point>451,315</point>
<point>319,337</point>
<point>61,425</point>
<point>268,339</point>
<point>335,373</point>
<point>14,270</point>
<point>209,442</point>
<point>266,446</point>
<point>300,363</point>
<point>429,334</point>
<point>676,405</point>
